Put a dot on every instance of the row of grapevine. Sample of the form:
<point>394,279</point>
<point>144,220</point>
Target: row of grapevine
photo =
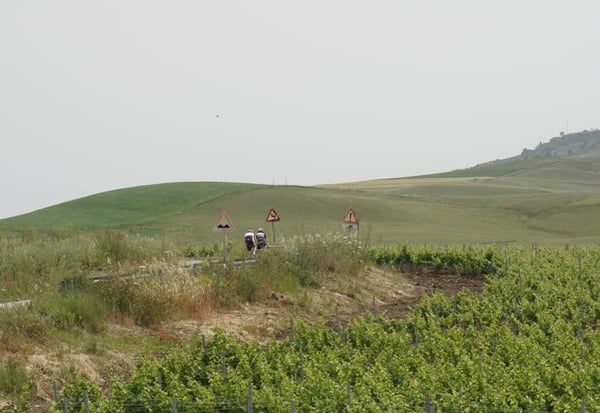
<point>529,343</point>
<point>460,260</point>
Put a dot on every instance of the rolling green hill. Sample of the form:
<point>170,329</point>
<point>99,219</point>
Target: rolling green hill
<point>123,207</point>
<point>526,199</point>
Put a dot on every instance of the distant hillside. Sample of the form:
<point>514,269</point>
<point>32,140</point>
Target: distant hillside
<point>570,145</point>
<point>579,151</point>
<point>550,194</point>
<point>124,207</point>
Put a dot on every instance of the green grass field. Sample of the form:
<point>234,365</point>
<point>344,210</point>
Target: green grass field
<point>544,201</point>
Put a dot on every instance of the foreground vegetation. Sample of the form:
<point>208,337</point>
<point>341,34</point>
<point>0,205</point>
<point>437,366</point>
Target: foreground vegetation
<point>72,293</point>
<point>528,343</point>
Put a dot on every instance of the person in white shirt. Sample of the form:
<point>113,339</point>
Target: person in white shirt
<point>250,240</point>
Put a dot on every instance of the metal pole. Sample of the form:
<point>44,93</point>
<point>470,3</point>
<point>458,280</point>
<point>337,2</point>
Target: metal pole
<point>273,230</point>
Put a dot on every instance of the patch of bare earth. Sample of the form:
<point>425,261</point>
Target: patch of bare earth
<point>388,293</point>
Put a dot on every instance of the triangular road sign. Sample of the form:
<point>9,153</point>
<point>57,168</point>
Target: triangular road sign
<point>272,216</point>
<point>223,223</point>
<point>350,217</point>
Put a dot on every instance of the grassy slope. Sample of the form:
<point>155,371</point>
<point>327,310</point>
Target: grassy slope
<point>537,200</point>
<point>123,207</point>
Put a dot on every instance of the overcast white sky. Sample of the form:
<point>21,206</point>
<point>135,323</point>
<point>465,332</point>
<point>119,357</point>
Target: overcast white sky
<point>101,95</point>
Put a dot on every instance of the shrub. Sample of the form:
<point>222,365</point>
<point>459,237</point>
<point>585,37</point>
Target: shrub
<point>203,251</point>
<point>111,246</point>
<point>74,308</point>
<point>24,323</point>
<point>15,381</point>
<point>151,300</point>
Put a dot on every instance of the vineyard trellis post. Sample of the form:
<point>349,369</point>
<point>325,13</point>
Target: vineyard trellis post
<point>429,407</point>
<point>223,366</point>
<point>301,372</point>
<point>86,402</point>
<point>250,405</point>
<point>349,393</point>
<point>55,392</point>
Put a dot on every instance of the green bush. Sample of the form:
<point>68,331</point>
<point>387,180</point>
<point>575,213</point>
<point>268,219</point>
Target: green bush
<point>465,260</point>
<point>23,323</point>
<point>130,299</point>
<point>203,251</point>
<point>151,300</point>
<point>15,381</point>
<point>74,309</point>
<point>111,246</point>
<point>73,395</point>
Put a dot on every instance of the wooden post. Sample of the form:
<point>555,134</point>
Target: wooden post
<point>292,335</point>
<point>349,393</point>
<point>223,367</point>
<point>428,406</point>
<point>86,402</point>
<point>250,406</point>
<point>301,365</point>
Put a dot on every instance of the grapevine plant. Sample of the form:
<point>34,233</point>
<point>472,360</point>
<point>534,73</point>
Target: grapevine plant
<point>528,343</point>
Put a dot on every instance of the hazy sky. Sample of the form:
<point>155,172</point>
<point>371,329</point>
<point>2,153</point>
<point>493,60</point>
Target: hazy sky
<point>101,95</point>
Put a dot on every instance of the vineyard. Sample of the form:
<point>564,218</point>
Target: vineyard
<point>528,343</point>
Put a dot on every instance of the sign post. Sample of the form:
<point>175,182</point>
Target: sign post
<point>272,217</point>
<point>224,225</point>
<point>350,221</point>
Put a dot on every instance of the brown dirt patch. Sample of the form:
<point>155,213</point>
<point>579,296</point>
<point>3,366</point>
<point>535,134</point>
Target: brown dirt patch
<point>379,291</point>
<point>421,284</point>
